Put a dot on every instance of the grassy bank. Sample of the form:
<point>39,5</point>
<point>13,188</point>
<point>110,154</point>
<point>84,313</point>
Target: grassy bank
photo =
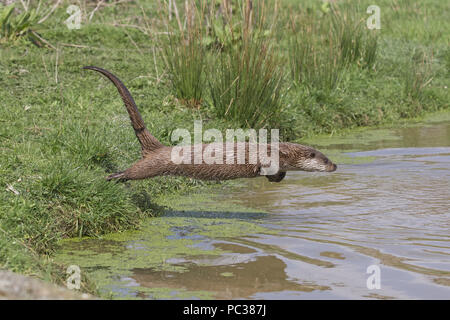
<point>62,129</point>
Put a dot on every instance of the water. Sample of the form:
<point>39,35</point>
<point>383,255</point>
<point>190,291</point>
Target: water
<point>318,236</point>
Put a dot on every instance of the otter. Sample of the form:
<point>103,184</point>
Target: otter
<point>157,159</point>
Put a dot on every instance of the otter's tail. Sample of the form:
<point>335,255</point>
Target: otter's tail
<point>147,141</point>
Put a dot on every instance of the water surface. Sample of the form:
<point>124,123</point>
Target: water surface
<point>312,236</point>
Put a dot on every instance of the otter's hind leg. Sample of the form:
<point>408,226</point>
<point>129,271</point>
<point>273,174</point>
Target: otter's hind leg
<point>144,168</point>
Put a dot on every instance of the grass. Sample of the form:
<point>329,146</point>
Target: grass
<point>62,130</point>
<point>245,75</point>
<point>322,51</point>
<point>379,81</point>
<point>19,23</point>
<point>14,26</point>
<point>418,75</point>
<point>315,62</point>
<point>184,55</point>
<point>230,49</point>
<point>246,86</point>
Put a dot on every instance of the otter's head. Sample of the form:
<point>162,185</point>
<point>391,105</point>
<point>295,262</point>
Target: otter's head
<point>298,157</point>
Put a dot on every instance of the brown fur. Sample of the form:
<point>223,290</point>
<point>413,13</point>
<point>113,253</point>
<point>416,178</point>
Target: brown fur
<point>156,158</point>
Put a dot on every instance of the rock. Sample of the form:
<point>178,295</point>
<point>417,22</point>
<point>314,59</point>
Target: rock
<point>17,287</point>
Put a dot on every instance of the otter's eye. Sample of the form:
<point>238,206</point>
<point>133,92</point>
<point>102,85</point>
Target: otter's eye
<point>325,161</point>
<point>312,155</point>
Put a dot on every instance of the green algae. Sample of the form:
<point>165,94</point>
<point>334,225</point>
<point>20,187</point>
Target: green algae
<point>209,201</point>
<point>222,228</point>
<point>157,247</point>
<point>160,243</point>
<point>353,138</point>
<point>334,255</point>
<point>140,292</point>
<point>170,293</point>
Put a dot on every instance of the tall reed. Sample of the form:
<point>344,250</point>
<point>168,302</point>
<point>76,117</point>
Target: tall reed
<point>321,50</point>
<point>184,54</point>
<point>245,78</point>
<point>418,75</point>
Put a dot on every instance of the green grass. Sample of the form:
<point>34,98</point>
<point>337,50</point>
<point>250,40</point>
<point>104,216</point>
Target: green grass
<point>321,50</point>
<point>245,74</point>
<point>22,22</point>
<point>185,56</point>
<point>395,75</point>
<point>14,26</point>
<point>232,52</point>
<point>62,130</point>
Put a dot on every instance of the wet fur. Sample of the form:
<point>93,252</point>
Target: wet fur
<point>156,158</point>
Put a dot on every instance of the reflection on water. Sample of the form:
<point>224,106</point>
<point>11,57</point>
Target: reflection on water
<point>327,229</point>
<point>263,274</point>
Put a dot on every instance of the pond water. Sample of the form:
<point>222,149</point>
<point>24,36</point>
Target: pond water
<point>382,218</point>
